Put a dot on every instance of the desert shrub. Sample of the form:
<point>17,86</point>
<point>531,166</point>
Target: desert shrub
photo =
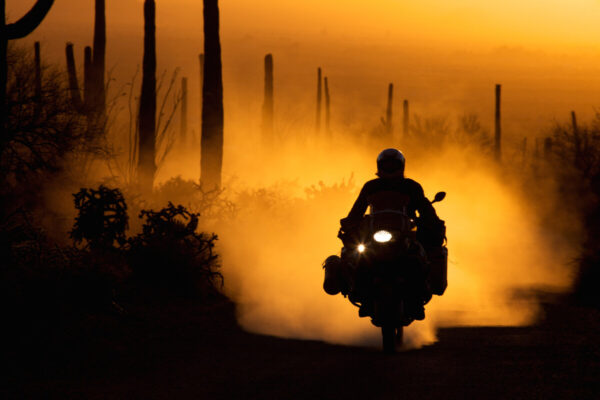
<point>213,204</point>
<point>575,162</point>
<point>41,130</point>
<point>171,257</point>
<point>102,217</point>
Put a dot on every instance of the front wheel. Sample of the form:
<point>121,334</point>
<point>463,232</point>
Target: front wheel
<point>392,338</point>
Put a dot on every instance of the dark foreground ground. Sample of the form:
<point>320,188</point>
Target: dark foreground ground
<point>193,351</point>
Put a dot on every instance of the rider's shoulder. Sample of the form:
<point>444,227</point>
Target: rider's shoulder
<point>413,185</point>
<point>411,182</point>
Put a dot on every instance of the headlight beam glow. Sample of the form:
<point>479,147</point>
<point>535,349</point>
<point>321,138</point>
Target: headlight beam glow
<point>382,236</point>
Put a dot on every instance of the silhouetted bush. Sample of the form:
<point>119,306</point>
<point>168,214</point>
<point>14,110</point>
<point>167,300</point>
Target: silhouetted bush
<point>575,161</point>
<point>170,256</point>
<point>102,218</point>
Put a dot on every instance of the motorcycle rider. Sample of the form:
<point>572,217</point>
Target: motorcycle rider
<point>393,191</point>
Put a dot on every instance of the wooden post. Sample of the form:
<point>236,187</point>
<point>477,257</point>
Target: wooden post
<point>498,132</point>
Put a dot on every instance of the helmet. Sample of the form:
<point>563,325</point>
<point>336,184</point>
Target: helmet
<point>390,163</point>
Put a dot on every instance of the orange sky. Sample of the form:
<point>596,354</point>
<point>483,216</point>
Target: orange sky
<point>443,55</point>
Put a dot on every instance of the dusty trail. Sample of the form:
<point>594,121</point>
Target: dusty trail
<point>191,351</point>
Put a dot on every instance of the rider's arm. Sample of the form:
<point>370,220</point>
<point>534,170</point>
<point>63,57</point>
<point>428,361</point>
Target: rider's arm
<point>360,205</point>
<point>423,205</point>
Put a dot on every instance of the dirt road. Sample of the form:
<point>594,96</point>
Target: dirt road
<point>192,351</point>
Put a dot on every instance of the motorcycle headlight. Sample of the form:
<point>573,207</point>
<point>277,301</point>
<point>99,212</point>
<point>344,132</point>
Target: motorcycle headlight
<point>361,248</point>
<point>382,236</point>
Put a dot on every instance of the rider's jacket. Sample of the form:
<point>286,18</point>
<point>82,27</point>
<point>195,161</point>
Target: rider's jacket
<point>398,194</point>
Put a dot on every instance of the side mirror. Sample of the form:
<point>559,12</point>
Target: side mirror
<point>439,197</point>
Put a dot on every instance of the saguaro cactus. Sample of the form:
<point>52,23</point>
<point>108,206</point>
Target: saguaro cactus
<point>88,78</point>
<point>498,131</point>
<point>405,119</point>
<point>388,113</point>
<point>327,106</point>
<point>184,110</point>
<point>212,100</point>
<point>17,30</point>
<point>147,116</point>
<point>547,148</point>
<point>73,82</point>
<point>268,103</point>
<point>319,96</point>
<point>99,59</point>
<point>201,64</point>
<point>576,139</point>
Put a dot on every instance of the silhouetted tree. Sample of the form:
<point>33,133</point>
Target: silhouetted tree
<point>267,117</point>
<point>147,116</point>
<point>39,132</point>
<point>17,30</point>
<point>212,99</point>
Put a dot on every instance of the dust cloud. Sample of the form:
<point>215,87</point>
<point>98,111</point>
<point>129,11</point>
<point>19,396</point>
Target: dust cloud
<point>286,225</point>
<point>290,195</point>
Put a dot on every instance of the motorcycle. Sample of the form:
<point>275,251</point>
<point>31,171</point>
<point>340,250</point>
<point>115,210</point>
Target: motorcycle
<point>384,270</point>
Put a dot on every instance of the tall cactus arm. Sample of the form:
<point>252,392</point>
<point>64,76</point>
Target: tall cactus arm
<point>30,21</point>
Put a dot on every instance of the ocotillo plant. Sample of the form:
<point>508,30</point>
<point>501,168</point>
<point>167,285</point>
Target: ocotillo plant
<point>17,30</point>
<point>327,106</point>
<point>147,116</point>
<point>88,78</point>
<point>73,82</point>
<point>319,96</point>
<point>388,113</point>
<point>99,58</point>
<point>212,100</point>
<point>268,102</point>
<point>38,71</point>
<point>184,110</point>
<point>498,132</point>
<point>405,119</point>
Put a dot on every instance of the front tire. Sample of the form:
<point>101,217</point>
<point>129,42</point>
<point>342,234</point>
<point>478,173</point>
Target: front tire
<point>392,338</point>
